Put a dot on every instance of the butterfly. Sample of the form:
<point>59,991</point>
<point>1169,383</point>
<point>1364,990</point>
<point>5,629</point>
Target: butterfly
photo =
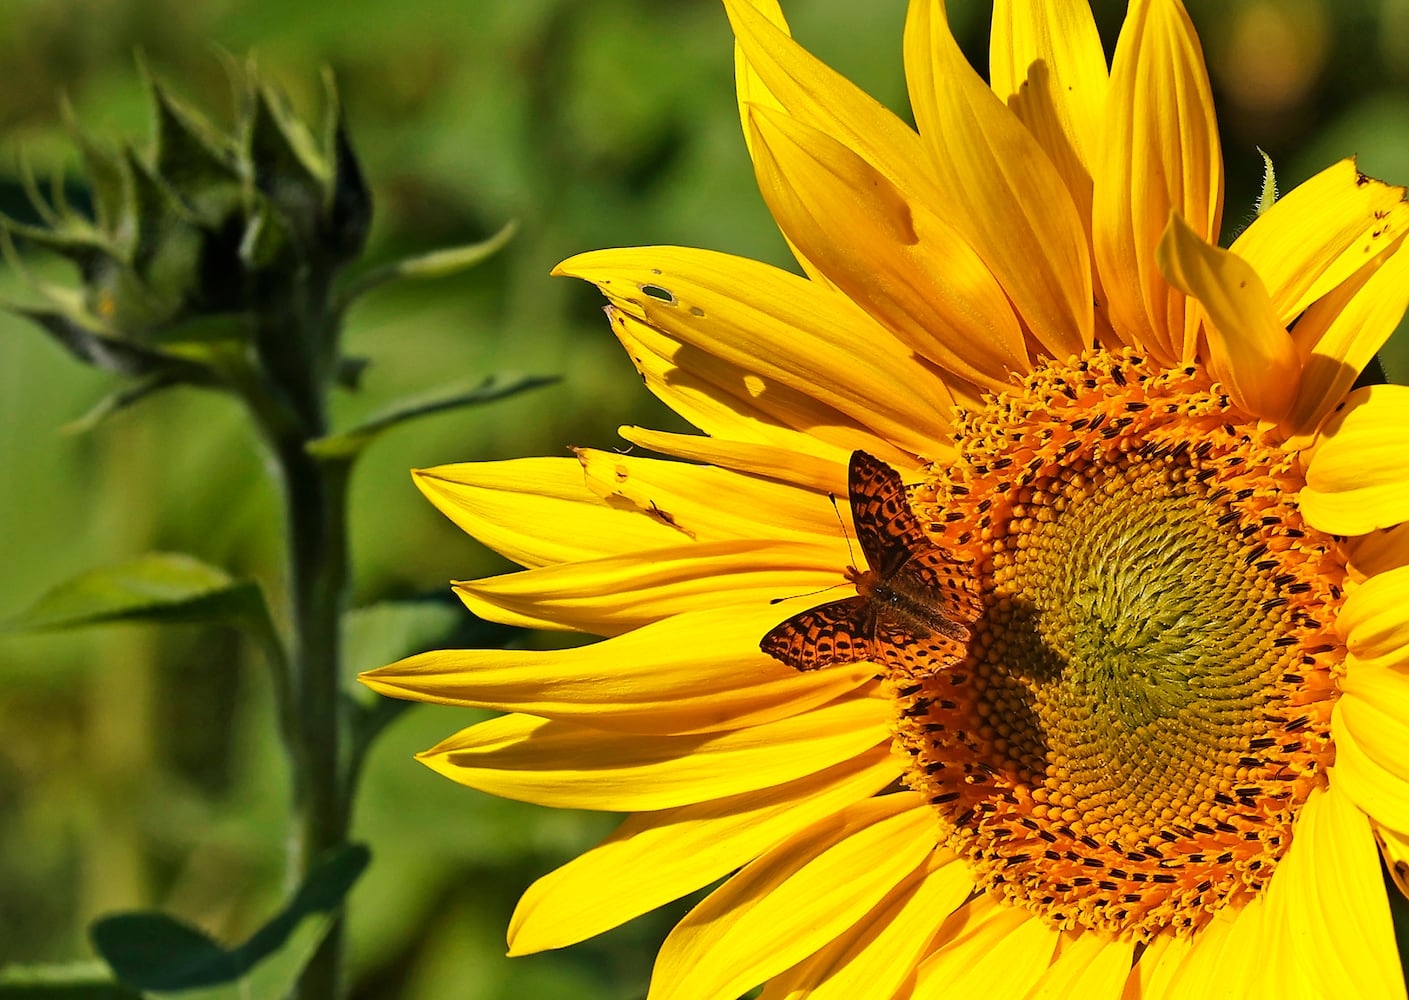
<point>900,597</point>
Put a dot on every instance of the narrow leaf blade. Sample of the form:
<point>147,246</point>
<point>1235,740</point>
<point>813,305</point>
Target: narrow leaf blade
<point>348,444</point>
<point>157,586</point>
<point>436,264</point>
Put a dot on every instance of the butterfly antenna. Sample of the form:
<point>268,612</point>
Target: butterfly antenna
<point>810,593</point>
<point>846,536</point>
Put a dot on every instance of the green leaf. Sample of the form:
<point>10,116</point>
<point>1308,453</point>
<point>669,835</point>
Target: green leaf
<point>153,951</point>
<point>156,587</point>
<point>436,264</point>
<point>108,352</point>
<point>116,401</point>
<point>79,981</point>
<point>349,444</point>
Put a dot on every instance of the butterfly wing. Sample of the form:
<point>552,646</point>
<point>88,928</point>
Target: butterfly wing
<point>834,633</point>
<point>917,655</point>
<point>885,527</point>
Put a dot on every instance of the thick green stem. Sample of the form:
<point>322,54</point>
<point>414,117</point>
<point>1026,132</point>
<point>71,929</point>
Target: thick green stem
<point>316,498</point>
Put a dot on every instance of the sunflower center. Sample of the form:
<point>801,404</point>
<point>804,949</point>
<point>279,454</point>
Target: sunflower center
<point>1145,702</point>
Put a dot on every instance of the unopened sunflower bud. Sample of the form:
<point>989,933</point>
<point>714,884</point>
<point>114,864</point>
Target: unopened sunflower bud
<point>211,241</point>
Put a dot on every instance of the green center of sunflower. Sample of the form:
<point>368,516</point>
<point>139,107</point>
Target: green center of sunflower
<point>1145,701</point>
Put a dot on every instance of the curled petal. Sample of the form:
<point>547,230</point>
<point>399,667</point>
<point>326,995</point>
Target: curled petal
<point>1251,353</point>
<point>1374,621</point>
<point>1380,793</point>
<point>503,504</point>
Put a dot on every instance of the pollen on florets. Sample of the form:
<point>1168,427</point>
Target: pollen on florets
<point>1145,702</point>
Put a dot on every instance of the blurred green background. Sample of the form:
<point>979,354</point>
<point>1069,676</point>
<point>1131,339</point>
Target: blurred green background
<point>138,766</point>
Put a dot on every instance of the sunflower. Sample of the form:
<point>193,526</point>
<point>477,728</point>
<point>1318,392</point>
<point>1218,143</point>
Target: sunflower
<point>1159,751</point>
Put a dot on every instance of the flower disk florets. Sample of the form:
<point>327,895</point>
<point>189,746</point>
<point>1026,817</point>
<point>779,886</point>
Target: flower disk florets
<point>1146,700</point>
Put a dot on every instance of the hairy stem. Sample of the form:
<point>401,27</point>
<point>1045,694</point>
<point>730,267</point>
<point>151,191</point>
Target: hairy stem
<point>316,496</point>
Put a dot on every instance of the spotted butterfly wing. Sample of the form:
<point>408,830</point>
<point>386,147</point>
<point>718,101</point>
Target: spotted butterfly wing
<point>835,633</point>
<point>888,532</point>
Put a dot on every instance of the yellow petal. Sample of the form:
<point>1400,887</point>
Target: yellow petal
<point>1193,977</point>
<point>1357,480</point>
<point>506,504</point>
<point>1156,967</point>
<point>751,89</point>
<point>1160,155</point>
<point>1340,334</point>
<point>1088,965</point>
<point>821,468</point>
<point>875,956</point>
<point>1219,962</point>
<point>1328,902</point>
<point>690,673</point>
<point>1250,352</point>
<point>1320,233</point>
<point>891,255</point>
<point>1378,792</point>
<point>655,857</point>
<point>1374,709</point>
<point>619,593</point>
<point>794,900</point>
<point>787,77</point>
<point>982,943</point>
<point>1001,192</point>
<point>1374,621</point>
<point>1045,60</point>
<point>573,767</point>
<point>685,497</point>
<point>1378,551</point>
<point>1395,848</point>
<point>777,327</point>
<point>731,401</point>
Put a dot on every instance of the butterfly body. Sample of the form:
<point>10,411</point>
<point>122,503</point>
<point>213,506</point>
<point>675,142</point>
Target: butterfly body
<point>900,600</point>
<point>905,605</point>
